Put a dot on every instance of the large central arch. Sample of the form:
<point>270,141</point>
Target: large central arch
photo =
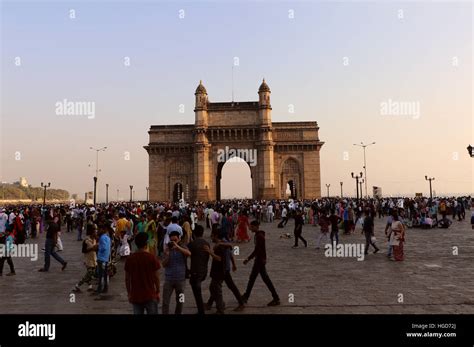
<point>220,166</point>
<point>290,176</point>
<point>286,152</point>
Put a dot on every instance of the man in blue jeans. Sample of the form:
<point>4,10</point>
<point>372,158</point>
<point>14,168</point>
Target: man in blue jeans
<point>174,262</point>
<point>103,257</point>
<point>50,244</point>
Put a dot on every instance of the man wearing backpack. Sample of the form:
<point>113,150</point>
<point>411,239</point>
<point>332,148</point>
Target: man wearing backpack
<point>89,248</point>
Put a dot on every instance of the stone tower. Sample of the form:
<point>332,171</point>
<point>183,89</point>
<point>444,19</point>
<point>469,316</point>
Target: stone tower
<point>201,145</point>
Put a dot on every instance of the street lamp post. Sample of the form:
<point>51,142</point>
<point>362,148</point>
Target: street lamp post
<point>365,165</point>
<point>131,188</point>
<point>97,150</point>
<point>361,182</point>
<point>95,189</point>
<point>147,189</point>
<point>106,193</point>
<point>469,150</point>
<point>430,179</point>
<point>357,183</point>
<point>327,186</point>
<point>45,186</point>
<point>341,189</point>
<point>118,190</point>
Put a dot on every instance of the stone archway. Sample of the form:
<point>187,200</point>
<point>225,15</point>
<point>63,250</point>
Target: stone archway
<point>220,166</point>
<point>178,179</point>
<point>290,175</point>
<point>177,191</point>
<point>187,153</point>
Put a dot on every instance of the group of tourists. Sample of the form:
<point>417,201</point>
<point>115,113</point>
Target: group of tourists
<point>146,238</point>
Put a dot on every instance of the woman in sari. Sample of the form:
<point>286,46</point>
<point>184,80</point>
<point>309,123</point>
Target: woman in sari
<point>187,232</point>
<point>397,238</point>
<point>242,228</point>
<point>150,229</point>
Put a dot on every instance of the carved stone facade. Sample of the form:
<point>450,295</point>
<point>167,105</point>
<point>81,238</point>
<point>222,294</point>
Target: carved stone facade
<point>185,159</point>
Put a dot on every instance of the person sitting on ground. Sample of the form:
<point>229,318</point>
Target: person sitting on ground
<point>444,223</point>
<point>428,224</point>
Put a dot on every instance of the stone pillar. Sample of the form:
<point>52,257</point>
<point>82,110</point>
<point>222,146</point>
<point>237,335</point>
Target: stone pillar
<point>157,177</point>
<point>265,162</point>
<point>202,186</point>
<point>311,175</point>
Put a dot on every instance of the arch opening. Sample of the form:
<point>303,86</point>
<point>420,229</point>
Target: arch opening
<point>234,170</point>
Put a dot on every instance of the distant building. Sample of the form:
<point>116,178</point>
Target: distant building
<point>89,198</point>
<point>377,191</point>
<point>23,182</point>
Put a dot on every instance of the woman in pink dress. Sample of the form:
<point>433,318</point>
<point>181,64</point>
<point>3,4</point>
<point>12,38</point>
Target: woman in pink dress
<point>242,228</point>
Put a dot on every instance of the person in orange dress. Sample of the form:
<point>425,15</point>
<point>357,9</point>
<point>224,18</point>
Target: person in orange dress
<point>242,228</point>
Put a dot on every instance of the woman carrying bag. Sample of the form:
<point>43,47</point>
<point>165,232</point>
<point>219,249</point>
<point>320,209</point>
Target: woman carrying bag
<point>397,238</point>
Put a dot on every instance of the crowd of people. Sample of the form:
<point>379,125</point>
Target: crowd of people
<point>148,237</point>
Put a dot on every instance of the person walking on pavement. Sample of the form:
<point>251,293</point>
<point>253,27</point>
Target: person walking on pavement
<point>50,244</point>
<point>299,221</point>
<point>368,231</point>
<point>6,239</point>
<point>225,252</point>
<point>200,249</point>
<point>259,265</point>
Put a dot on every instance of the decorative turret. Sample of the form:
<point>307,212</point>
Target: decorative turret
<point>200,109</point>
<point>264,95</point>
<point>265,109</point>
<point>201,96</point>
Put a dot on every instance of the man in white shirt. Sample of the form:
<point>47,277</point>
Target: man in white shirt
<point>175,213</point>
<point>11,217</point>
<point>215,217</point>
<point>270,213</point>
<point>3,221</point>
<point>194,217</point>
<point>173,226</point>
<point>284,217</point>
<point>210,211</point>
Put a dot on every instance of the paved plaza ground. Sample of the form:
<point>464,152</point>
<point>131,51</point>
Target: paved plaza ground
<point>431,279</point>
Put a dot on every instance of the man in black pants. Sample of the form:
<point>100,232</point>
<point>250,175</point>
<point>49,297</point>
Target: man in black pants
<point>260,255</point>
<point>284,217</point>
<point>228,260</point>
<point>299,221</point>
<point>368,230</point>
<point>199,260</point>
<point>335,220</point>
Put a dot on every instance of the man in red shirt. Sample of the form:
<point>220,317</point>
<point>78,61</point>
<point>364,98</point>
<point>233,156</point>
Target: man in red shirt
<point>142,278</point>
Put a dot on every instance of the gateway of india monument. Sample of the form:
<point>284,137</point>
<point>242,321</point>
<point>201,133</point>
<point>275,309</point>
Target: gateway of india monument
<point>185,161</point>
